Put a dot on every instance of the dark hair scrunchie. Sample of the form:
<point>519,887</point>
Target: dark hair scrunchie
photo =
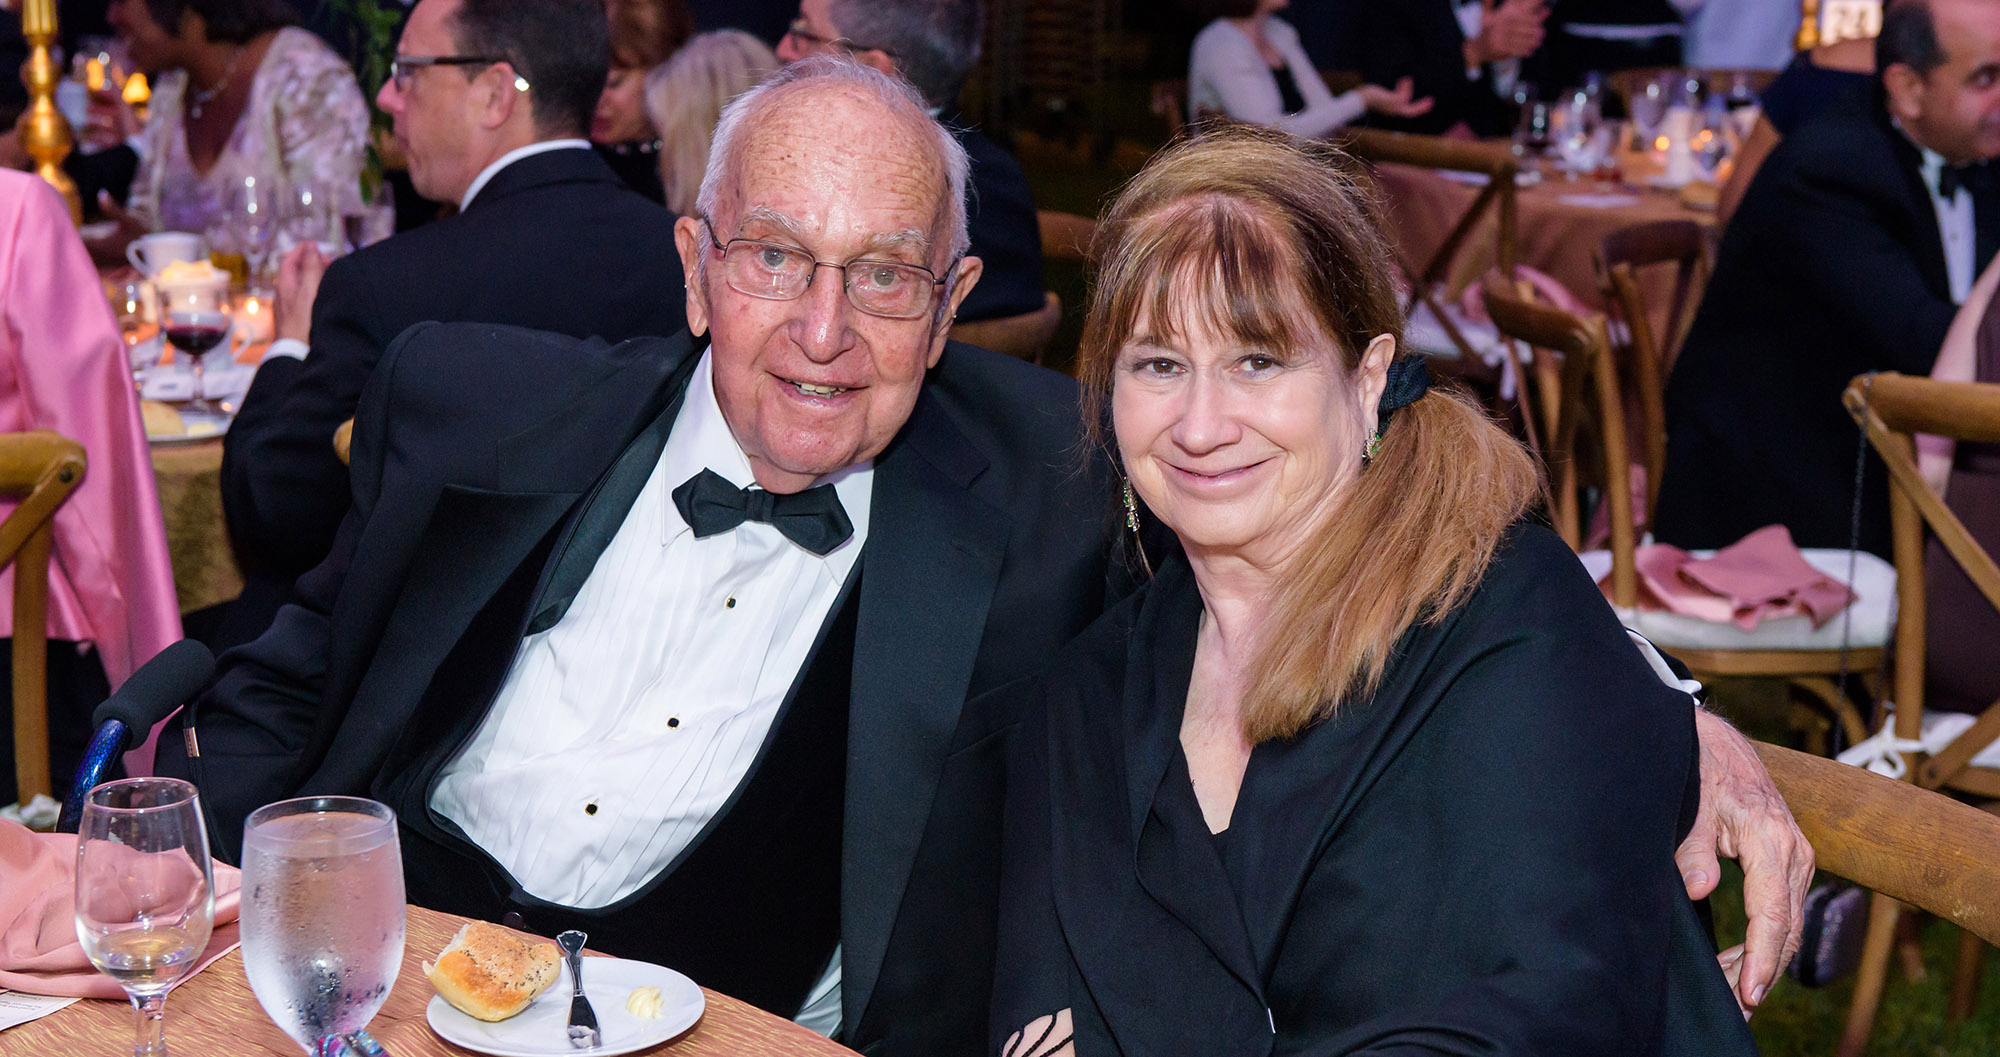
<point>1408,379</point>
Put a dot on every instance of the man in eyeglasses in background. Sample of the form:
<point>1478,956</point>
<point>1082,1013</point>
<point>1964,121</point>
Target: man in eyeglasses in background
<point>491,101</point>
<point>934,44</point>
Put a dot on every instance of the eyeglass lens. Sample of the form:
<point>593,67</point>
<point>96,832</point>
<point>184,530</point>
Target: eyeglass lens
<point>782,273</point>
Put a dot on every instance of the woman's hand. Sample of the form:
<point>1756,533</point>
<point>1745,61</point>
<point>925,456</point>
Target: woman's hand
<point>1395,102</point>
<point>110,249</point>
<point>1510,29</point>
<point>1743,817</point>
<point>1045,1036</point>
<point>112,120</point>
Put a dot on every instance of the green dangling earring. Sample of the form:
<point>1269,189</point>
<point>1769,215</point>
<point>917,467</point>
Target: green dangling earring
<point>1374,448</point>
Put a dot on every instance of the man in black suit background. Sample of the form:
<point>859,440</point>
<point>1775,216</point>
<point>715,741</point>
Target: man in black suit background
<point>933,44</point>
<point>1853,247</point>
<point>491,101</point>
<point>1452,50</point>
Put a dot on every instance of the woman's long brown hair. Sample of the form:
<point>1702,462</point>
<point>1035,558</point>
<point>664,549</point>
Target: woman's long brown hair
<point>1232,230</point>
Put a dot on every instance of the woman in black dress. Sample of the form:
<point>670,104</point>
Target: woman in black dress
<point>1370,766</point>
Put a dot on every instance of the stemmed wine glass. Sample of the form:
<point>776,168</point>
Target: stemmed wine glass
<point>253,222</point>
<point>309,216</point>
<point>145,897</point>
<point>322,915</point>
<point>132,304</point>
<point>196,319</point>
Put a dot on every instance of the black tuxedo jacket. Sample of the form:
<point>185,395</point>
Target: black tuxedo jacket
<point>474,452</point>
<point>554,242</point>
<point>1421,40</point>
<point>1832,267</point>
<point>1000,213</point>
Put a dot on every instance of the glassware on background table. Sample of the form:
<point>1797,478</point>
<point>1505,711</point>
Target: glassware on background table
<point>1648,110</point>
<point>309,215</point>
<point>1531,133</point>
<point>1715,142</point>
<point>251,220</point>
<point>196,319</point>
<point>322,915</point>
<point>132,302</point>
<point>145,896</point>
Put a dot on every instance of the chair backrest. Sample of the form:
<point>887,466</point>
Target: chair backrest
<point>343,440</point>
<point>42,468</point>
<point>1572,375</point>
<point>1023,336</point>
<point>1909,844</point>
<point>1065,236</point>
<point>1891,408</point>
<point>1647,354</point>
<point>1500,197</point>
<point>1170,104</point>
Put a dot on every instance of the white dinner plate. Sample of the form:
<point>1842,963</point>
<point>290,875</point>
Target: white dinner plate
<point>541,1030</point>
<point>198,429</point>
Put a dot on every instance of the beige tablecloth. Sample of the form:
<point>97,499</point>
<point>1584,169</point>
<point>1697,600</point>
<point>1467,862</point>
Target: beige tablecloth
<point>216,1013</point>
<point>1560,225</point>
<point>190,482</point>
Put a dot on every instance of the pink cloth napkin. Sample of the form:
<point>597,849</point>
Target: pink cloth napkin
<point>1758,577</point>
<point>39,952</point>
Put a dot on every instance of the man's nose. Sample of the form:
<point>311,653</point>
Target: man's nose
<point>388,98</point>
<point>827,313</point>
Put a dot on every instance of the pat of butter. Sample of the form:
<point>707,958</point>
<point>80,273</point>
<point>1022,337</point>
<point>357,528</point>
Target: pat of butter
<point>644,1002</point>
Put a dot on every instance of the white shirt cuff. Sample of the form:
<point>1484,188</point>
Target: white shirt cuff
<point>292,347</point>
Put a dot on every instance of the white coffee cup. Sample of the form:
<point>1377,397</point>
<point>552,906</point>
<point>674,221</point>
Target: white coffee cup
<point>150,253</point>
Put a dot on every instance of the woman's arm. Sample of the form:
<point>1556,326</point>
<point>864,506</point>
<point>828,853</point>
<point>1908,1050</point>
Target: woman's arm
<point>1957,361</point>
<point>1225,70</point>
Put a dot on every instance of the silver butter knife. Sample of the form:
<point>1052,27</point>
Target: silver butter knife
<point>582,1019</point>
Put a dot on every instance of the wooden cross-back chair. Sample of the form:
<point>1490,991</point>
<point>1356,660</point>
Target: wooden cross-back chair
<point>1065,237</point>
<point>1891,408</point>
<point>42,469</point>
<point>1500,197</point>
<point>1588,451</point>
<point>1904,843</point>
<point>1648,354</point>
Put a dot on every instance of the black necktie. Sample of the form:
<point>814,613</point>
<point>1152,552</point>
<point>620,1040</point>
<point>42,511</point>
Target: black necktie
<point>813,519</point>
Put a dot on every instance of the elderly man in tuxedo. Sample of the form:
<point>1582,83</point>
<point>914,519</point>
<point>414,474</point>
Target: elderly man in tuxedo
<point>491,101</point>
<point>1850,253</point>
<point>712,645</point>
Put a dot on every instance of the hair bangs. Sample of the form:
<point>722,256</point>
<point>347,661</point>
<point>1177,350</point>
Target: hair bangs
<point>1216,265</point>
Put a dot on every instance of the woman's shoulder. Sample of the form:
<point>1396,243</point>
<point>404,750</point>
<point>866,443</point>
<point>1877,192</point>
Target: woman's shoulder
<point>1218,38</point>
<point>300,55</point>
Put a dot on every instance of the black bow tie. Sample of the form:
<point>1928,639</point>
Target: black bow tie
<point>813,519</point>
<point>1974,177</point>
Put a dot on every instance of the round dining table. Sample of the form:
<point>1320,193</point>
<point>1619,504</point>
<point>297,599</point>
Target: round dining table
<point>189,476</point>
<point>1559,225</point>
<point>214,1012</point>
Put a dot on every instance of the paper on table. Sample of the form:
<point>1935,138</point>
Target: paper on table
<point>17,1009</point>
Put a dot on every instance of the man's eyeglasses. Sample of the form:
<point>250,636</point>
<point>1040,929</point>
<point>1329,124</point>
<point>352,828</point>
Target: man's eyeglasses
<point>801,31</point>
<point>403,67</point>
<point>777,272</point>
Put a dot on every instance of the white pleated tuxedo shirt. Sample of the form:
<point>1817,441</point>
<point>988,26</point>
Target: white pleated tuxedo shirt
<point>621,731</point>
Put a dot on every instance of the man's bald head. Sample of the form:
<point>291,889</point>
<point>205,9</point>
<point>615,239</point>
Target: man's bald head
<point>878,118</point>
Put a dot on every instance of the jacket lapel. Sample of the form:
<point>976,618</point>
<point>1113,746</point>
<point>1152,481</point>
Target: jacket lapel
<point>933,554</point>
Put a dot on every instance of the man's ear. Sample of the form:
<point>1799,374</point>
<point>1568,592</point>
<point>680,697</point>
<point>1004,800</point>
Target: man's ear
<point>497,91</point>
<point>689,242</point>
<point>879,59</point>
<point>1906,91</point>
<point>968,272</point>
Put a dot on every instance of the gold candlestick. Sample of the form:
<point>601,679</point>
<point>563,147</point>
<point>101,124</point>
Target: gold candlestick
<point>1808,37</point>
<point>46,134</point>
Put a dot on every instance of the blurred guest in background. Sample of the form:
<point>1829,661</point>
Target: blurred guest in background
<point>644,34</point>
<point>1809,82</point>
<point>1739,34</point>
<point>1601,36</point>
<point>933,44</point>
<point>1463,56</point>
<point>491,100</point>
<point>238,91</point>
<point>685,96</point>
<point>1248,65</point>
<point>63,367</point>
<point>1854,246</point>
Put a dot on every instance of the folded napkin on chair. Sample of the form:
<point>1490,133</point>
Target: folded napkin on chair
<point>39,952</point>
<point>1758,577</point>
